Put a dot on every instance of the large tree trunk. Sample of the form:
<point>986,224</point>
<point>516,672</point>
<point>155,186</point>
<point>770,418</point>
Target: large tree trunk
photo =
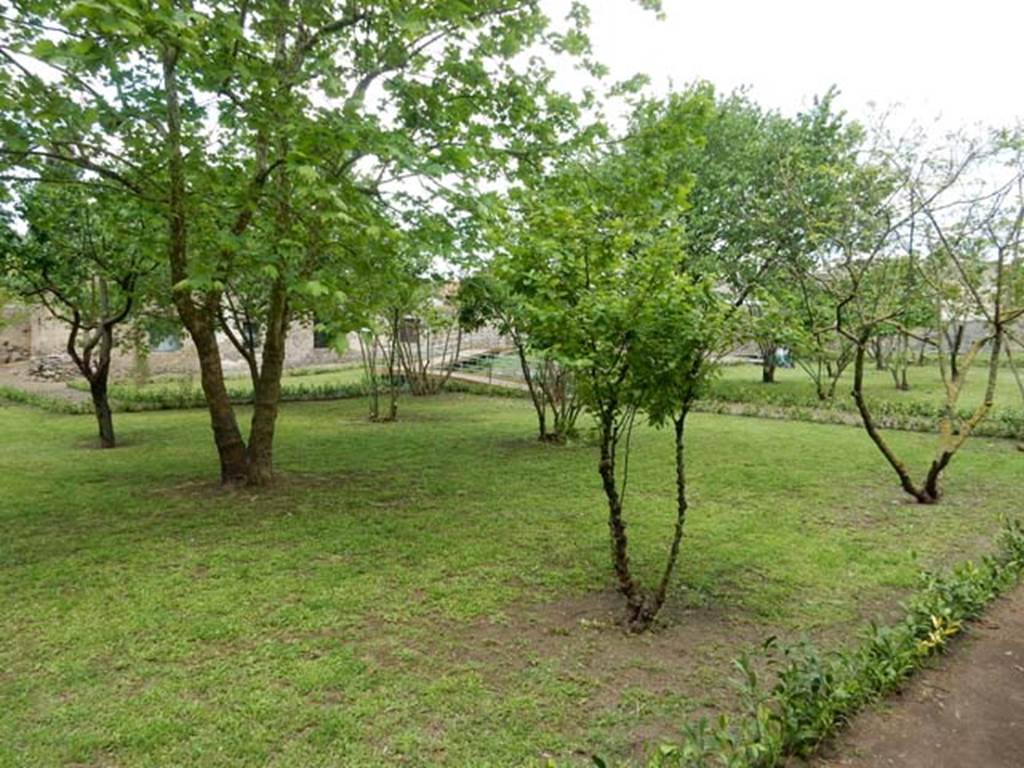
<point>268,393</point>
<point>200,320</point>
<point>768,351</point>
<point>98,378</point>
<point>104,416</point>
<point>97,370</point>
<point>234,460</point>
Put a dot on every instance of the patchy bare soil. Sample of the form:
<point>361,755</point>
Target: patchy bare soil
<point>677,672</point>
<point>968,712</point>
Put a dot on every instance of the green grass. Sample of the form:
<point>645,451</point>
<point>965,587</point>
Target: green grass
<point>925,386</point>
<point>435,591</point>
<point>919,408</point>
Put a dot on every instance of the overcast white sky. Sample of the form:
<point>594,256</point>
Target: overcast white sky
<point>962,60</point>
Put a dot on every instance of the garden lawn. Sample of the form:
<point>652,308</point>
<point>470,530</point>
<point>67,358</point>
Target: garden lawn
<point>435,591</point>
<point>743,382</point>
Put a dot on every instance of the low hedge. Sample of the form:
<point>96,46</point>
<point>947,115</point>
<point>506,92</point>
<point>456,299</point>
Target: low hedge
<point>171,397</point>
<point>47,403</point>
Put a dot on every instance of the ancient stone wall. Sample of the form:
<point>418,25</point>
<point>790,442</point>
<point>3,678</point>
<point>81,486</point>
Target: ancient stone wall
<point>36,334</point>
<point>15,334</point>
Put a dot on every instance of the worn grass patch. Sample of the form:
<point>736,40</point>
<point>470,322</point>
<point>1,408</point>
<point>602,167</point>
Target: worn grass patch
<point>435,591</point>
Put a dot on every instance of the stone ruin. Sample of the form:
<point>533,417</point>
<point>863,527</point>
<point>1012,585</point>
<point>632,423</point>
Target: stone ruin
<point>52,368</point>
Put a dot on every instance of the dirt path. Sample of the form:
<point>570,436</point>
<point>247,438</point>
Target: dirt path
<point>966,713</point>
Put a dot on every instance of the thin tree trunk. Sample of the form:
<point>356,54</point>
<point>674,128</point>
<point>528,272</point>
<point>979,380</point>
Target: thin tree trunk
<point>950,445</point>
<point>681,506</point>
<point>536,391</point>
<point>393,368</point>
<point>1020,384</point>
<point>906,482</point>
<point>921,352</point>
<point>619,544</point>
<point>368,352</point>
<point>954,351</point>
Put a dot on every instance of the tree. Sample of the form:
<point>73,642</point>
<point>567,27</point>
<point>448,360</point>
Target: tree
<point>599,254</point>
<point>637,273</point>
<point>772,322</point>
<point>497,297</point>
<point>969,228</point>
<point>83,256</point>
<point>429,336</point>
<point>759,180</point>
<point>914,317</point>
<point>253,126</point>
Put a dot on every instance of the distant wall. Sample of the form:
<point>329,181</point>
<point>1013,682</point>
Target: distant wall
<point>36,333</point>
<point>15,334</point>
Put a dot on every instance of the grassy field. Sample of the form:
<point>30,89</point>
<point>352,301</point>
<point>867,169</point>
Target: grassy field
<point>742,382</point>
<point>925,385</point>
<point>435,591</point>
